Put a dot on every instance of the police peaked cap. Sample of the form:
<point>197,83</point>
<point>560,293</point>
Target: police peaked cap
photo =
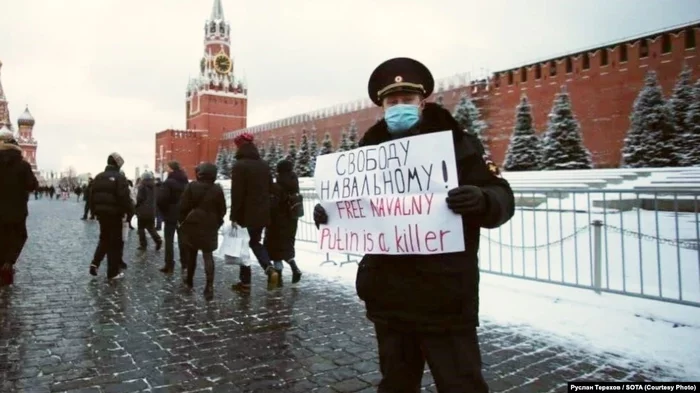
<point>400,74</point>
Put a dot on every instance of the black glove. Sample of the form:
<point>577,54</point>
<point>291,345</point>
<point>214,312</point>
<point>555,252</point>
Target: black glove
<point>466,200</point>
<point>320,216</point>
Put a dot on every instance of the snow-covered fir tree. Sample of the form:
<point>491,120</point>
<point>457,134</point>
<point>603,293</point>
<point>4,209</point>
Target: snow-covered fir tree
<point>230,161</point>
<point>292,151</point>
<point>263,153</point>
<point>468,117</point>
<point>326,145</point>
<point>274,153</point>
<point>692,138</point>
<point>679,103</point>
<point>352,135</point>
<point>524,153</point>
<point>344,141</point>
<point>303,158</point>
<point>221,162</point>
<point>650,138</point>
<point>313,150</point>
<point>562,144</point>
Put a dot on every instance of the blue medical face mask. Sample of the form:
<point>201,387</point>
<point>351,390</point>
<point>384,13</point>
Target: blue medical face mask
<point>401,117</point>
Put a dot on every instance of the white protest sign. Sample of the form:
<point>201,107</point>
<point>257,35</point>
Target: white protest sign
<point>390,198</point>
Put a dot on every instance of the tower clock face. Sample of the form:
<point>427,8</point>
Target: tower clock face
<point>222,64</point>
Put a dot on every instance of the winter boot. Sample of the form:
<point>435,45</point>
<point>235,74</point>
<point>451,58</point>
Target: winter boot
<point>244,275</point>
<point>280,284</point>
<point>296,273</point>
<point>273,278</point>
<point>241,287</point>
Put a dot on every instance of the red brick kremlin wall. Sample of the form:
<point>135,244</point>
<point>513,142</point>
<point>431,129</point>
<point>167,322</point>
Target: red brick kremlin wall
<point>603,84</point>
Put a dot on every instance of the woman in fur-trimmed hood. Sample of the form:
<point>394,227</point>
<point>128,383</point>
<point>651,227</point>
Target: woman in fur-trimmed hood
<point>17,181</point>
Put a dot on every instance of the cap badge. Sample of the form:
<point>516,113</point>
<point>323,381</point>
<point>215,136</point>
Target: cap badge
<point>398,79</point>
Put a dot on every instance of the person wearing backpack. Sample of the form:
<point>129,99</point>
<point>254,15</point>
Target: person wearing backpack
<point>285,209</point>
<point>201,214</point>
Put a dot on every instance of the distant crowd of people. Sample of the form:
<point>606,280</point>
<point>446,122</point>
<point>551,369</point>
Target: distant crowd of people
<point>261,201</point>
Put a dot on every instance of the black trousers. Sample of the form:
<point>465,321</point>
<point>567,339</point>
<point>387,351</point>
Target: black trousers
<point>147,225</point>
<point>13,235</point>
<point>111,242</point>
<point>169,235</point>
<point>87,210</point>
<point>454,360</point>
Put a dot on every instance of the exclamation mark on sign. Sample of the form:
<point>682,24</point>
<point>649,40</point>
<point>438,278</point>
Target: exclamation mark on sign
<point>444,173</point>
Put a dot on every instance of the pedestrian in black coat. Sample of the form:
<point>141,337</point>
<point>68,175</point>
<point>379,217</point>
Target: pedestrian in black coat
<point>251,182</point>
<point>111,202</point>
<point>281,233</point>
<point>86,199</point>
<point>202,212</point>
<point>17,181</point>
<point>146,212</point>
<point>426,307</point>
<point>168,201</point>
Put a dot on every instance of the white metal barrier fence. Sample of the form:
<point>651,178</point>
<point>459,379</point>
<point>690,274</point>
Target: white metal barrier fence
<point>643,244</point>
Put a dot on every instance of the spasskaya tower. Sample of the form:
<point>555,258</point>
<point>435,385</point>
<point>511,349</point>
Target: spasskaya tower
<point>216,101</point>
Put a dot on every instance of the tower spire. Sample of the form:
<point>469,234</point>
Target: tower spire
<point>4,109</point>
<point>217,11</point>
<point>2,92</point>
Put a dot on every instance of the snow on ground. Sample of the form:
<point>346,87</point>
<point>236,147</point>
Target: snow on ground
<point>650,332</point>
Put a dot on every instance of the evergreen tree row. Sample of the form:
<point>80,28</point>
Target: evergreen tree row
<point>661,134</point>
<point>664,133</point>
<point>560,146</point>
<point>303,156</point>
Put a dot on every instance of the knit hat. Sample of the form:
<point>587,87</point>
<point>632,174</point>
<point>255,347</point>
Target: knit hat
<point>174,165</point>
<point>285,166</point>
<point>245,137</point>
<point>115,159</point>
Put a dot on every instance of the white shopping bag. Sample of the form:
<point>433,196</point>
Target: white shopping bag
<point>234,246</point>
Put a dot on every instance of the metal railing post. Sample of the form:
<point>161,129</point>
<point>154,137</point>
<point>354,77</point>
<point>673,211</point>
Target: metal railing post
<point>597,255</point>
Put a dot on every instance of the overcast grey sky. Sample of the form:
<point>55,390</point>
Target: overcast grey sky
<point>106,75</point>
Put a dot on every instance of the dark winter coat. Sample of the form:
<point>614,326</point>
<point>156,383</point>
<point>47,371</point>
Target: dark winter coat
<point>202,210</point>
<point>16,182</point>
<point>86,191</point>
<point>435,292</point>
<point>251,182</point>
<point>146,200</point>
<point>282,231</point>
<point>109,194</point>
<point>168,198</point>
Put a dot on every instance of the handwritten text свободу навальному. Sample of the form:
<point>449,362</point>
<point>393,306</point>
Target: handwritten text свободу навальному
<point>390,198</point>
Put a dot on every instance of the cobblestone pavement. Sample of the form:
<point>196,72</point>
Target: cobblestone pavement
<point>63,330</point>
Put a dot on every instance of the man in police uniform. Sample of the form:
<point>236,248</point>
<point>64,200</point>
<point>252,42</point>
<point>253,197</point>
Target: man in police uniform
<point>425,307</point>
